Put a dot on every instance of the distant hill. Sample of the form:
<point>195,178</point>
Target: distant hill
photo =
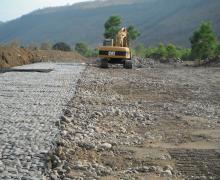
<point>158,21</point>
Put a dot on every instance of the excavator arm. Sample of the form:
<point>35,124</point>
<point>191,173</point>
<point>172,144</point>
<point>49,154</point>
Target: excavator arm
<point>122,38</point>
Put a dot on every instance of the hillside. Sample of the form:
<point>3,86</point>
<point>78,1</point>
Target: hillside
<point>157,20</point>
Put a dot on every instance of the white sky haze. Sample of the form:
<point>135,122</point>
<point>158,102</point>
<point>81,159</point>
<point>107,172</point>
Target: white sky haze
<point>11,9</point>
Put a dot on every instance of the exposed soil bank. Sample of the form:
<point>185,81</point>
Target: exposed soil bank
<point>13,56</point>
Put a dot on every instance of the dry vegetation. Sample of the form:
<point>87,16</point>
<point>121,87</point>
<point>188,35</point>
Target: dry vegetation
<point>14,56</point>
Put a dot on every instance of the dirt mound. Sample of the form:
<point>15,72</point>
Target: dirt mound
<point>13,56</point>
<point>52,55</point>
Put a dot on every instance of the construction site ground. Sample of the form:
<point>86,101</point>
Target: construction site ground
<point>157,122</point>
<point>82,122</point>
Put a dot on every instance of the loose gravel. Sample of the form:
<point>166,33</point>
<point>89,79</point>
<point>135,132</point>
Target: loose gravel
<point>156,122</point>
<point>31,103</point>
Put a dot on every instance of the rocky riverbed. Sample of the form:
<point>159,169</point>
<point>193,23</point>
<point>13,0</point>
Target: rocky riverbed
<point>30,104</point>
<point>156,122</point>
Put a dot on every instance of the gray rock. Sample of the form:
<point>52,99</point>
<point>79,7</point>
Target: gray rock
<point>167,173</point>
<point>65,119</point>
<point>168,167</point>
<point>87,145</point>
<point>54,177</point>
<point>106,146</point>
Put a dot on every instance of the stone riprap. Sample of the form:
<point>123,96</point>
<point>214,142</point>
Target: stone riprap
<point>30,104</point>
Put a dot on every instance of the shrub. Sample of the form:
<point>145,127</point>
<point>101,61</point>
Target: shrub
<point>151,52</point>
<point>91,53</point>
<point>61,46</point>
<point>83,49</point>
<point>185,54</point>
<point>171,51</point>
<point>161,51</point>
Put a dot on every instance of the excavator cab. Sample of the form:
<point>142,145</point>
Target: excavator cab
<point>116,51</point>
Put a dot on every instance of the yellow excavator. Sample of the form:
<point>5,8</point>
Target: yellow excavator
<point>116,51</point>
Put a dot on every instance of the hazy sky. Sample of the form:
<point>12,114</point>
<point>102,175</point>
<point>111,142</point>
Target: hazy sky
<point>11,9</point>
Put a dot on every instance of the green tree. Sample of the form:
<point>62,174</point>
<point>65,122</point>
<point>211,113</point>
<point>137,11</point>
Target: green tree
<point>171,51</point>
<point>217,51</point>
<point>81,48</point>
<point>161,51</point>
<point>150,52</point>
<point>112,26</point>
<point>133,33</point>
<point>185,53</point>
<point>61,46</point>
<point>203,42</point>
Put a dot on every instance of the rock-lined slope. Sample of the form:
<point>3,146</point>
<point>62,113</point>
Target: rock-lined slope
<point>158,21</point>
<point>30,105</point>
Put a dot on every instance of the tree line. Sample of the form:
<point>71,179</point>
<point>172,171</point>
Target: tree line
<point>204,46</point>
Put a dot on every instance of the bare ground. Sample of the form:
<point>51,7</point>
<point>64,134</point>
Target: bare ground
<point>149,123</point>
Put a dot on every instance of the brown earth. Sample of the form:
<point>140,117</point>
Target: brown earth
<point>150,123</point>
<point>56,56</point>
<point>14,56</point>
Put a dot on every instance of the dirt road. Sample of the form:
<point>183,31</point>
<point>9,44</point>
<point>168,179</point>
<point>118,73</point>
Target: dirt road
<point>149,123</point>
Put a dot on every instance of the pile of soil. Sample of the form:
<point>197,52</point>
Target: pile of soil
<point>54,55</point>
<point>14,56</point>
